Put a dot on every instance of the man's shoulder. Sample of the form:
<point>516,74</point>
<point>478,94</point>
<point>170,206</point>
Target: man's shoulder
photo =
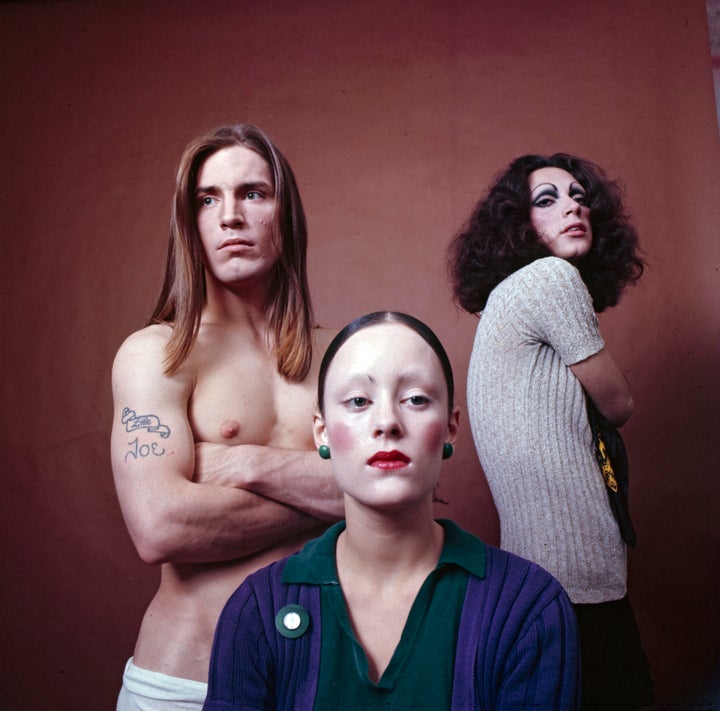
<point>144,349</point>
<point>149,338</point>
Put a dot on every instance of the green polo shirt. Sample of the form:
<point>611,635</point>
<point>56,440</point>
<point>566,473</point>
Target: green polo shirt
<point>420,673</point>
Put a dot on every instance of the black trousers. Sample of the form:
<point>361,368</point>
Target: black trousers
<point>615,670</point>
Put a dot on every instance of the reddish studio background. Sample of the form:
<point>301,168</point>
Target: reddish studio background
<point>395,116</point>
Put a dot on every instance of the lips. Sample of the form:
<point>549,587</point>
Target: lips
<point>236,249</point>
<point>575,227</point>
<point>235,242</point>
<point>389,460</point>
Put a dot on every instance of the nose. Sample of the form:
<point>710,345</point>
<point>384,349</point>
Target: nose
<point>387,421</point>
<point>571,206</point>
<point>231,215</point>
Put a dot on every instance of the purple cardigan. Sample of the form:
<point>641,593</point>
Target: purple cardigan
<point>517,644</point>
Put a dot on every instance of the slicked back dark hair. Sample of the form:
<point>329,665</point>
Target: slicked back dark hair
<point>373,319</point>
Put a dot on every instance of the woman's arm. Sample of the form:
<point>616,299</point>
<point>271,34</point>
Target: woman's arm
<point>543,669</point>
<point>606,386</point>
<point>559,312</point>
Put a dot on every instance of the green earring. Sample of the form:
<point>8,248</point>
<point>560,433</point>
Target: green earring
<point>447,450</point>
<point>324,451</point>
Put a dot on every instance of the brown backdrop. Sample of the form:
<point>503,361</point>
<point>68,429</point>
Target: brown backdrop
<point>394,115</point>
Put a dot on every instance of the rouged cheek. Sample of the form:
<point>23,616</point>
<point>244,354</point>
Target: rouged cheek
<point>433,436</point>
<point>341,437</point>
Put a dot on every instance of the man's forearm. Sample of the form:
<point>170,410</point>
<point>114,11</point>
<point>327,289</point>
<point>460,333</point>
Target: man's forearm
<point>296,478</point>
<point>200,524</point>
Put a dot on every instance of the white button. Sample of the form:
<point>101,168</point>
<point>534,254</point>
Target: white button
<point>292,620</point>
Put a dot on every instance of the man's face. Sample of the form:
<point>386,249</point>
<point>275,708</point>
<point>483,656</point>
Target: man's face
<point>236,209</point>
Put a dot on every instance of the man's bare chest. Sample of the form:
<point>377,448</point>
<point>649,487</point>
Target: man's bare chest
<point>242,404</point>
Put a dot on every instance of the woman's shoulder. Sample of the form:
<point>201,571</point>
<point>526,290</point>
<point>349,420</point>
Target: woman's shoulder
<point>545,277</point>
<point>269,576</point>
<point>548,268</point>
<point>506,568</point>
<point>537,283</point>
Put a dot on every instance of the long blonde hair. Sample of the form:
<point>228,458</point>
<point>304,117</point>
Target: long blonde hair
<point>183,296</point>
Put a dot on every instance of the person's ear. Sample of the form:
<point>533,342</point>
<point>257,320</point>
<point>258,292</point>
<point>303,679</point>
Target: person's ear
<point>319,430</point>
<point>454,425</point>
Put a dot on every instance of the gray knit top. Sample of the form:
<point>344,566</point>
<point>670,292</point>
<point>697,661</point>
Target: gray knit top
<point>528,419</point>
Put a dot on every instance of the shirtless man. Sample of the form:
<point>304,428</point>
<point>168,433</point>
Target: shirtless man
<point>212,432</point>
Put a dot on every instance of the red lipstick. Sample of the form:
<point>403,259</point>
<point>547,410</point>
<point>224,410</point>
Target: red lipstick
<point>389,460</point>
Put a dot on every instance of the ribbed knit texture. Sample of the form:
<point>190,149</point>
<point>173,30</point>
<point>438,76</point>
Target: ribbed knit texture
<point>517,644</point>
<point>528,419</point>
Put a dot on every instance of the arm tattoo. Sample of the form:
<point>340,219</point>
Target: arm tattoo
<point>152,424</point>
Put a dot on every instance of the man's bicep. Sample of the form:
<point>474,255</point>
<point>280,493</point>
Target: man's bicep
<point>150,422</point>
<point>152,446</point>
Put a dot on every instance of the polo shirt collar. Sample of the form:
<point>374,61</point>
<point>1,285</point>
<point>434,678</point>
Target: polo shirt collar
<point>315,563</point>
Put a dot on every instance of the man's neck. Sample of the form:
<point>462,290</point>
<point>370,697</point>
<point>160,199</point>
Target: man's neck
<point>242,305</point>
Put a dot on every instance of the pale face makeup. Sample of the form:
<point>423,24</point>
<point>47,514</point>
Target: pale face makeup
<point>386,417</point>
<point>559,212</point>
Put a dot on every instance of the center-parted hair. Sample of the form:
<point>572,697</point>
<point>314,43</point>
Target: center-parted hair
<point>373,319</point>
<point>499,238</point>
<point>183,293</point>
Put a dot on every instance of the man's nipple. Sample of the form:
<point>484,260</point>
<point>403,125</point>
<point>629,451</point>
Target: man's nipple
<point>229,429</point>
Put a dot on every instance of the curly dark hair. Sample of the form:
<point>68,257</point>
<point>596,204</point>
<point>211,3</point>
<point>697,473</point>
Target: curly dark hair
<point>499,239</point>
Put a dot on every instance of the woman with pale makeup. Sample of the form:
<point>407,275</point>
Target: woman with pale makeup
<point>392,609</point>
<point>546,248</point>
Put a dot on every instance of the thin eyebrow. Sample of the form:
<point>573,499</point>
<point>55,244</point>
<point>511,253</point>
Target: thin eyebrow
<point>359,378</point>
<point>408,378</point>
<point>413,376</point>
<point>544,186</point>
<point>574,187</point>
